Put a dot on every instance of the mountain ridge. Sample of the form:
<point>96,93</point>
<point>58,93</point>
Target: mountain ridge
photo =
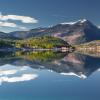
<point>78,32</point>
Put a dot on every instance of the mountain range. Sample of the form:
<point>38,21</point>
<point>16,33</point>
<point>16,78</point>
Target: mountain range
<point>77,32</point>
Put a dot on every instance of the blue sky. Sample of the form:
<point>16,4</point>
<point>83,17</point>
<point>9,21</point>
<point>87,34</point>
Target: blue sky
<point>46,13</point>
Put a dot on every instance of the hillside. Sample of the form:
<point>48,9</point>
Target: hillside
<point>34,43</point>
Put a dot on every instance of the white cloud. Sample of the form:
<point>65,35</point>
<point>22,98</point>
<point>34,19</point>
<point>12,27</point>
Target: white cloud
<point>5,21</point>
<point>7,24</point>
<point>7,72</point>
<point>12,25</point>
<point>24,77</point>
<point>23,19</point>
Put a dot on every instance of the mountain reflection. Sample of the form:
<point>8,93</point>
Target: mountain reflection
<point>64,63</point>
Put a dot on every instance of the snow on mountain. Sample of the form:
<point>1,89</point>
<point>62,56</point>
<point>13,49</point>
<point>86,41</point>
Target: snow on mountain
<point>72,23</point>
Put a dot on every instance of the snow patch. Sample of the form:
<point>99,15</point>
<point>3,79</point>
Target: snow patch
<point>72,23</point>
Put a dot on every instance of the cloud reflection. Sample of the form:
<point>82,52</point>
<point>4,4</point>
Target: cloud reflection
<point>24,77</point>
<point>11,74</point>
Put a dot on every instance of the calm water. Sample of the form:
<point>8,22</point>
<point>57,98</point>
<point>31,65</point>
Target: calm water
<point>49,76</point>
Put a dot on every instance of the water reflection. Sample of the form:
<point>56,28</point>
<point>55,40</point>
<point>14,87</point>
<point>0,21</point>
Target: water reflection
<point>10,73</point>
<point>20,66</point>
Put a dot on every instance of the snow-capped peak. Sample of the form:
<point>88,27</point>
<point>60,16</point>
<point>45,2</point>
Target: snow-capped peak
<point>72,23</point>
<point>69,23</point>
<point>83,20</point>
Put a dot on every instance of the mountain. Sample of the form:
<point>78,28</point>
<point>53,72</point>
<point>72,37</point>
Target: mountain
<point>74,32</point>
<point>77,32</point>
<point>4,35</point>
<point>27,34</point>
<point>7,36</point>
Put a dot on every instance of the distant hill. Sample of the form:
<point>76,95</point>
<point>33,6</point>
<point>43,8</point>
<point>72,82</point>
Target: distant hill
<point>27,34</point>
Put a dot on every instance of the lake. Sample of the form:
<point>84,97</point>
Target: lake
<point>49,75</point>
